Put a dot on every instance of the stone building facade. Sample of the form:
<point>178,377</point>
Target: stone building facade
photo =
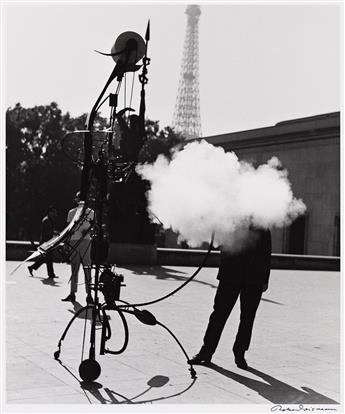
<point>309,148</point>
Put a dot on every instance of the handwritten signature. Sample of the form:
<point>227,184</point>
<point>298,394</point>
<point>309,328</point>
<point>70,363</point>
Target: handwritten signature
<point>301,407</point>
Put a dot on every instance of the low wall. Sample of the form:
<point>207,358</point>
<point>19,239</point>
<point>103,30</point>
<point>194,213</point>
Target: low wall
<point>183,257</point>
<point>150,255</point>
<point>126,253</point>
<point>18,250</point>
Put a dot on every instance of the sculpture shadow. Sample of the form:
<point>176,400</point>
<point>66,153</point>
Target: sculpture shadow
<point>163,273</point>
<point>107,396</point>
<point>113,397</point>
<point>273,390</point>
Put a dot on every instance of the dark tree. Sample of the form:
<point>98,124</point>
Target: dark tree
<point>159,142</point>
<point>40,171</point>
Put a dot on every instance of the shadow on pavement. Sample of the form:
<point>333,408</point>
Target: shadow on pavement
<point>86,314</point>
<point>273,390</point>
<point>108,396</point>
<point>112,397</point>
<point>272,301</point>
<point>95,389</point>
<point>49,281</point>
<point>163,273</point>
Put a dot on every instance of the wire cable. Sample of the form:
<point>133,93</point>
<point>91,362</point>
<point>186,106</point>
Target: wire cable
<point>183,284</point>
<point>131,98</point>
<point>97,109</point>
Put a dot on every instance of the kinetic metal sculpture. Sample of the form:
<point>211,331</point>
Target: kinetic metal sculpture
<point>108,158</point>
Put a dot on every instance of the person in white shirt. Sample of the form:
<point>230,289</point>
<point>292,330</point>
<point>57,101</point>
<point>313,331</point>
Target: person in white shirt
<point>80,242</point>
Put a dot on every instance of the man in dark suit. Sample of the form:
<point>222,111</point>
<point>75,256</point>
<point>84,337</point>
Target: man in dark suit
<point>243,273</point>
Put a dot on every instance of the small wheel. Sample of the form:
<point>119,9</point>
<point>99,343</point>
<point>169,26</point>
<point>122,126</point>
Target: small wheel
<point>56,354</point>
<point>89,370</point>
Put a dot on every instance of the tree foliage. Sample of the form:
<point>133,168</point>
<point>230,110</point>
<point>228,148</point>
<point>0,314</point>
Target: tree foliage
<point>39,174</point>
<point>36,169</point>
<point>159,142</point>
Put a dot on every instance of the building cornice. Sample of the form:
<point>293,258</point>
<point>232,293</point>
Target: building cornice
<point>321,127</point>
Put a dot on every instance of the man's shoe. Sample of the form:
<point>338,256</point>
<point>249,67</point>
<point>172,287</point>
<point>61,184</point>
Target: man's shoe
<point>240,360</point>
<point>89,299</point>
<point>70,298</point>
<point>200,359</point>
<point>31,271</point>
<point>53,277</point>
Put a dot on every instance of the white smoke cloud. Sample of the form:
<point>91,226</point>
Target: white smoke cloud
<point>204,189</point>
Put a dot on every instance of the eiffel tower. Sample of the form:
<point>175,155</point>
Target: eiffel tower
<point>186,119</point>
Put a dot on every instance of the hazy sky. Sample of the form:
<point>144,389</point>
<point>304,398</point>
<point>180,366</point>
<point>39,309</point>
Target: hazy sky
<point>259,63</point>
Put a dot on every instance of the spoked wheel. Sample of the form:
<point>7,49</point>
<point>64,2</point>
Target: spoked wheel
<point>72,145</point>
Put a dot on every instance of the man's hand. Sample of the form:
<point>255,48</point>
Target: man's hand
<point>264,287</point>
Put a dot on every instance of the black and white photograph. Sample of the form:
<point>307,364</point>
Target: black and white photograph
<point>172,206</point>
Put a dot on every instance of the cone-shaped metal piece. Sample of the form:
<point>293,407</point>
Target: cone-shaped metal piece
<point>147,35</point>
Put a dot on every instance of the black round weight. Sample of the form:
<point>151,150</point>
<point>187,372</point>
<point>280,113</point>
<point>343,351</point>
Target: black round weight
<point>89,370</point>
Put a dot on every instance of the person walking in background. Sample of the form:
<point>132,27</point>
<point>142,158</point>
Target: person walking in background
<point>80,243</point>
<point>243,274</point>
<point>47,232</point>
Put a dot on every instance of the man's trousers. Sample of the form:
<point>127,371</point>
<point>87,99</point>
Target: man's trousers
<point>80,255</point>
<point>47,258</point>
<point>225,299</point>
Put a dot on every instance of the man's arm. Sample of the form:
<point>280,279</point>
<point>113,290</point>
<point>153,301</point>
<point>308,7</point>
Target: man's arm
<point>69,216</point>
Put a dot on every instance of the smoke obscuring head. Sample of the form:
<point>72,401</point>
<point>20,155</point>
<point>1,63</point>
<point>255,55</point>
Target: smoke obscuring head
<point>204,189</point>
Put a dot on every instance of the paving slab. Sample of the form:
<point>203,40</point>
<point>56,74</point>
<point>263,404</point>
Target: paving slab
<point>294,355</point>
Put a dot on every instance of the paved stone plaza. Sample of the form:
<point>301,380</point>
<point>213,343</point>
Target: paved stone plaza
<point>294,356</point>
